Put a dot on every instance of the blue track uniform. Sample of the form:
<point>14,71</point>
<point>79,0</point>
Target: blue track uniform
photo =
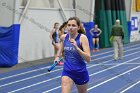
<point>55,36</point>
<point>95,33</point>
<point>74,64</point>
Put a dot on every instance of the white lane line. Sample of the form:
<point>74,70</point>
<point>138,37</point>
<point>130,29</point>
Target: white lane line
<point>52,89</point>
<point>56,78</point>
<point>29,72</point>
<point>57,69</point>
<point>25,79</point>
<point>100,71</point>
<point>112,54</point>
<point>113,78</point>
<point>112,50</point>
<point>108,64</point>
<point>130,87</point>
<point>114,66</point>
<point>112,59</point>
<point>34,84</point>
<point>24,73</point>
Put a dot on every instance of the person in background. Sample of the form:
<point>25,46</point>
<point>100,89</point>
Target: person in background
<point>63,29</point>
<point>95,32</point>
<point>82,29</point>
<point>118,35</point>
<point>55,39</point>
<point>76,53</point>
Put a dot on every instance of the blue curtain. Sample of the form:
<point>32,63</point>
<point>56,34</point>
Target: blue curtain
<point>88,26</point>
<point>129,29</point>
<point>9,40</point>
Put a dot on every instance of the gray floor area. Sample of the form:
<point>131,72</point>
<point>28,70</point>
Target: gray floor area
<point>25,64</point>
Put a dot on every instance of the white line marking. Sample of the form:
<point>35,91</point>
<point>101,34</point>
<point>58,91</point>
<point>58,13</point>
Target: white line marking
<point>89,67</point>
<point>130,87</point>
<point>34,84</point>
<point>48,67</point>
<point>112,55</point>
<point>114,66</point>
<point>113,78</point>
<point>42,81</point>
<point>26,79</point>
<point>123,64</point>
<point>112,50</point>
<point>112,59</point>
<point>103,70</point>
<point>52,89</point>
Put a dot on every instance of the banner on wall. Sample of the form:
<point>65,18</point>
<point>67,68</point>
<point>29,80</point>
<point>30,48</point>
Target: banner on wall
<point>133,6</point>
<point>138,5</point>
<point>134,23</point>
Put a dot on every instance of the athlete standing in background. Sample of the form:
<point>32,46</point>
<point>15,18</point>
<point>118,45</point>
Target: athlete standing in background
<point>95,32</point>
<point>54,36</point>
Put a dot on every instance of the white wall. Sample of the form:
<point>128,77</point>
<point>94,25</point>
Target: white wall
<point>34,39</point>
<point>6,15</point>
<point>128,9</point>
<point>67,3</point>
<point>48,3</point>
<point>85,10</point>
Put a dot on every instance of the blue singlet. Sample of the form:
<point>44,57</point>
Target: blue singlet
<point>74,64</point>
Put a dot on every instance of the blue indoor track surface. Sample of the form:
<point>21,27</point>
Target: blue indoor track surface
<point>106,75</point>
